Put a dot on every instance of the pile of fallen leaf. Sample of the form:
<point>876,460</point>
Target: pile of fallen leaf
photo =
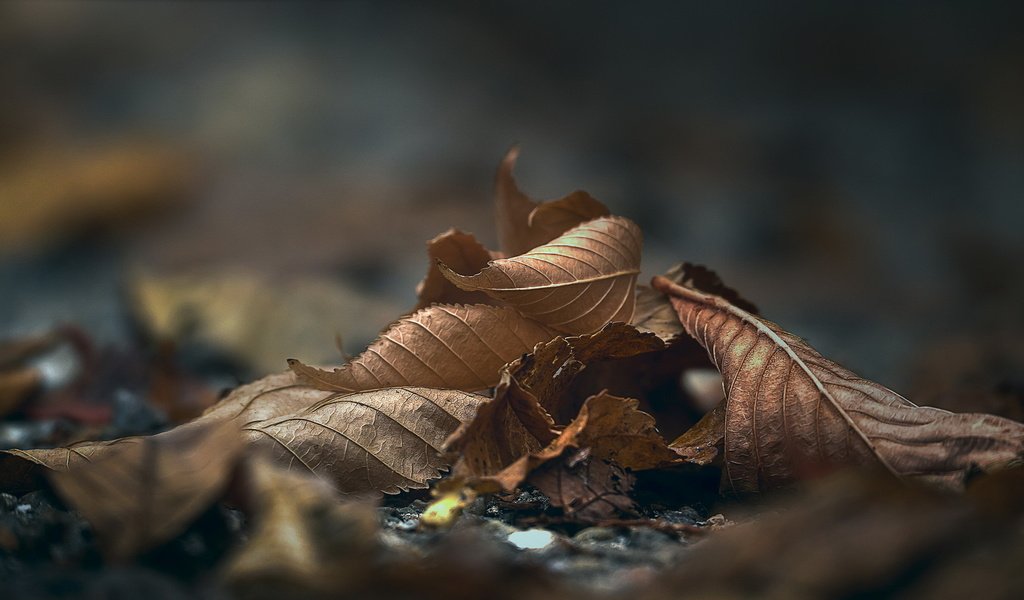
<point>544,366</point>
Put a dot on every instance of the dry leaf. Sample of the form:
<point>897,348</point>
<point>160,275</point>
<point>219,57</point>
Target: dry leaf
<point>654,312</point>
<point>142,491</point>
<point>304,541</point>
<point>553,369</point>
<point>576,283</point>
<point>386,440</point>
<point>702,443</point>
<point>462,253</point>
<point>503,442</point>
<point>512,436</point>
<point>588,490</point>
<point>454,347</point>
<point>379,441</point>
<point>614,429</point>
<point>788,408</point>
<point>524,224</point>
<point>533,395</point>
<point>273,396</point>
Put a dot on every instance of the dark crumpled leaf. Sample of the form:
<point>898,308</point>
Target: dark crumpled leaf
<point>588,490</point>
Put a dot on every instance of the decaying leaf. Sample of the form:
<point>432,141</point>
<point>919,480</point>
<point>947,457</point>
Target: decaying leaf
<point>588,490</point>
<point>381,441</point>
<point>552,369</point>
<point>364,443</point>
<point>504,441</point>
<point>575,283</point>
<point>305,540</point>
<point>142,491</point>
<point>455,347</point>
<point>524,224</point>
<point>512,436</point>
<point>462,253</point>
<point>702,443</point>
<point>532,402</point>
<point>788,408</point>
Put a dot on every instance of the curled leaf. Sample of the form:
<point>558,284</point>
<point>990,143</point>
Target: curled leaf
<point>524,224</point>
<point>788,408</point>
<point>462,253</point>
<point>454,347</point>
<point>575,283</point>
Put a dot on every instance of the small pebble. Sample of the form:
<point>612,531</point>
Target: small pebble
<point>532,539</point>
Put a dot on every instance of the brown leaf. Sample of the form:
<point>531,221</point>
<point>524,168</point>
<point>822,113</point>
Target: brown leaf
<point>524,224</point>
<point>615,429</point>
<point>380,441</point>
<point>654,311</point>
<point>512,436</point>
<point>506,439</point>
<point>273,396</point>
<point>564,372</point>
<point>588,490</point>
<point>462,253</point>
<point>576,283</point>
<point>788,408</point>
<point>702,443</point>
<point>141,491</point>
<point>533,395</point>
<point>454,347</point>
<point>386,440</point>
<point>304,538</point>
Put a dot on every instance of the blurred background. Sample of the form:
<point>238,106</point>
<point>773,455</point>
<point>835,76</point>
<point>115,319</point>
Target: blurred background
<point>233,183</point>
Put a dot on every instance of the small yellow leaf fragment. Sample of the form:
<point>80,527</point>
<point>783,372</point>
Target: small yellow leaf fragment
<point>441,513</point>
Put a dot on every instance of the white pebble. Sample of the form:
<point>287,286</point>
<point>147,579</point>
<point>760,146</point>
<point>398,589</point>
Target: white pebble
<point>531,539</point>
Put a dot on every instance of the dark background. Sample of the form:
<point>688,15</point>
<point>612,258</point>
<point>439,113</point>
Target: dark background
<point>856,169</point>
